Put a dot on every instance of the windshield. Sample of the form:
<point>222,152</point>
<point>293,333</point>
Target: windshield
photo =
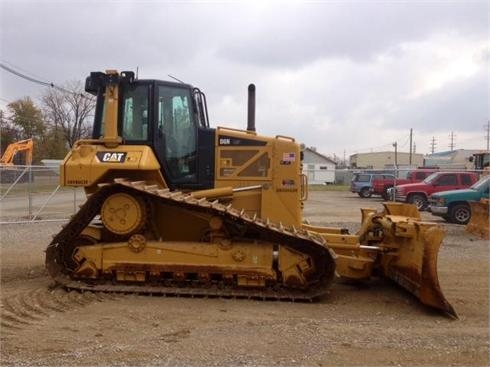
<point>430,179</point>
<point>482,184</point>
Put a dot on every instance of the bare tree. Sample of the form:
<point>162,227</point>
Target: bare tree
<point>70,110</point>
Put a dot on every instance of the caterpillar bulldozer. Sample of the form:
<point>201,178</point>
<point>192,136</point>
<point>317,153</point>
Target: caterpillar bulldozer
<point>177,207</point>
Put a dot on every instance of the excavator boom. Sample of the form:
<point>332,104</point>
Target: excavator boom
<point>16,147</point>
<point>9,171</point>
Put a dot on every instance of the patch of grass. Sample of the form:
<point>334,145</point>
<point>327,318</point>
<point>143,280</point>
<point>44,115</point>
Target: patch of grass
<point>328,187</point>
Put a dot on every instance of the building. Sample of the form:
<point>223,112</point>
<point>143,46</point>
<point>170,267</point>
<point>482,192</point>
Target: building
<point>385,160</point>
<point>318,168</point>
<point>454,159</point>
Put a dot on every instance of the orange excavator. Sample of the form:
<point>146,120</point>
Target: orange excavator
<point>8,172</point>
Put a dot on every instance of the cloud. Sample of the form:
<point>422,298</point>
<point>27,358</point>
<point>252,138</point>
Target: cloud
<point>302,33</point>
<point>340,76</point>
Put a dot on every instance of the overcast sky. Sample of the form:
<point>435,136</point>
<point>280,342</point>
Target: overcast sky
<point>340,76</point>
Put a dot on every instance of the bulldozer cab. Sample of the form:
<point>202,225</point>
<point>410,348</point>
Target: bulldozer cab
<point>169,117</point>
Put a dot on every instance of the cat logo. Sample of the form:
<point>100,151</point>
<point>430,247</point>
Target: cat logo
<point>111,157</point>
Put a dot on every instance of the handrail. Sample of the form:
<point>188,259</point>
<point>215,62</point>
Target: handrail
<point>285,138</point>
<point>304,187</point>
<point>237,130</point>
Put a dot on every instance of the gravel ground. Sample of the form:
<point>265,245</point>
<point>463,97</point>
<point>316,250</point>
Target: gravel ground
<point>370,324</point>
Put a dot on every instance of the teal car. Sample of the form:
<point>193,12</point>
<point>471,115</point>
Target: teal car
<point>454,205</point>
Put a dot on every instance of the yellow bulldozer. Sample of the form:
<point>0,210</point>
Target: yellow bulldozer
<point>177,207</point>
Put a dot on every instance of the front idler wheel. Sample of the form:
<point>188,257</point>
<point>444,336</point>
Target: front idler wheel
<point>123,214</point>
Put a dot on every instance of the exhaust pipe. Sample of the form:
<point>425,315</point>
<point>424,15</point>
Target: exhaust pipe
<point>251,108</point>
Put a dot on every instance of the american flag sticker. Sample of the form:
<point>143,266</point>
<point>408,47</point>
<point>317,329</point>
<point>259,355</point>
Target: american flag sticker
<point>289,157</point>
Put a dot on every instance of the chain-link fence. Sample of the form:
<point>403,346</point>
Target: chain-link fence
<point>33,193</point>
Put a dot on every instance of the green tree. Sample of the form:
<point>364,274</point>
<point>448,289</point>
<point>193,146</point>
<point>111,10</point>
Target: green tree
<point>8,132</point>
<point>26,121</point>
<point>24,114</point>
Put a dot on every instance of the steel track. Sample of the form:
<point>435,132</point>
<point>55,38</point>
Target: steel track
<point>59,251</point>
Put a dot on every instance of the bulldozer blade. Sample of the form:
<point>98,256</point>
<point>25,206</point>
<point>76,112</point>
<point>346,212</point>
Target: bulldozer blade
<point>479,222</point>
<point>414,267</point>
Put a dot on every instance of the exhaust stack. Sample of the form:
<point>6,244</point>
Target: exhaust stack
<point>251,108</point>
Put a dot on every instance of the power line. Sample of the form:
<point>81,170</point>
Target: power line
<point>405,143</point>
<point>26,77</point>
<point>37,81</point>
<point>360,150</point>
<point>22,70</point>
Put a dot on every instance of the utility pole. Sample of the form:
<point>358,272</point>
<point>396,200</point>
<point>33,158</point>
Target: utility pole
<point>395,144</point>
<point>433,145</point>
<point>410,156</point>
<point>487,137</point>
<point>452,144</point>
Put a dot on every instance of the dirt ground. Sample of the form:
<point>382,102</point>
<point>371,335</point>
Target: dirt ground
<point>374,324</point>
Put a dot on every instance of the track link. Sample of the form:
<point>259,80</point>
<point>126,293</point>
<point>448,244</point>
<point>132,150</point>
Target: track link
<point>300,240</point>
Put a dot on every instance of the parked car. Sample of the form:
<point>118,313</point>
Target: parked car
<point>361,182</point>
<point>381,186</point>
<point>454,205</point>
<point>418,193</point>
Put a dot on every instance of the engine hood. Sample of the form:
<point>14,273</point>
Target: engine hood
<point>463,194</point>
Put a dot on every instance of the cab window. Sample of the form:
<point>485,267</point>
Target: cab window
<point>134,114</point>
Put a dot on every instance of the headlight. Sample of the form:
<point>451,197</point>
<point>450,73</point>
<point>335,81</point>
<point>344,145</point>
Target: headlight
<point>439,201</point>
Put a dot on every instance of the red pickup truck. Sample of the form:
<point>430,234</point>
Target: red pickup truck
<point>380,186</point>
<point>418,193</point>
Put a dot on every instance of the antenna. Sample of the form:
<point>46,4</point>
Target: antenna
<point>180,81</point>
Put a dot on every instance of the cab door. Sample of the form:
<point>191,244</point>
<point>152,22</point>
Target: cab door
<point>175,135</point>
